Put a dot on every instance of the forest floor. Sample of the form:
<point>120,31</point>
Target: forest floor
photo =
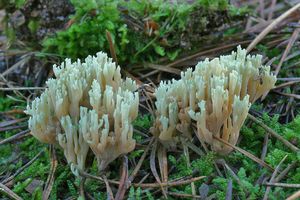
<point>152,42</point>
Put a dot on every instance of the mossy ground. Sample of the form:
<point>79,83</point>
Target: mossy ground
<point>178,37</point>
<point>238,168</point>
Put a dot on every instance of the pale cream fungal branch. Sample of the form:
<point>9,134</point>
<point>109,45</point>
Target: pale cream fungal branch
<point>111,136</point>
<point>217,95</point>
<point>43,123</point>
<point>75,148</point>
<point>87,106</point>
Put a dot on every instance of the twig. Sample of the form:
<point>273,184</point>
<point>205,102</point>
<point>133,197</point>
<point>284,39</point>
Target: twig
<point>271,26</point>
<point>187,156</point>
<point>163,162</point>
<point>170,184</point>
<point>11,122</point>
<point>249,155</point>
<point>147,185</point>
<point>22,88</point>
<point>8,128</point>
<point>110,194</point>
<point>292,40</point>
<point>24,59</point>
<point>270,16</point>
<point>164,68</point>
<point>138,166</point>
<point>184,195</point>
<point>81,187</point>
<point>261,8</point>
<point>265,147</point>
<point>229,190</point>
<point>206,52</point>
<point>111,46</point>
<point>286,84</point>
<point>9,192</point>
<point>14,137</point>
<point>272,180</point>
<point>289,79</point>
<point>50,179</point>
<point>153,168</point>
<point>274,134</point>
<point>285,185</point>
<point>296,96</point>
<point>294,196</point>
<point>285,171</point>
<point>23,167</point>
<point>12,112</point>
<point>124,183</point>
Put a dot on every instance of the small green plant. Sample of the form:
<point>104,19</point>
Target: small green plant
<point>141,30</point>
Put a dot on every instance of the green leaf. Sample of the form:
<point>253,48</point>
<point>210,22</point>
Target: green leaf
<point>159,50</point>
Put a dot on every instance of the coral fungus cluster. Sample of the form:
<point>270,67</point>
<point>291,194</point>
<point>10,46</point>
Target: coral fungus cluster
<point>217,95</point>
<point>87,106</point>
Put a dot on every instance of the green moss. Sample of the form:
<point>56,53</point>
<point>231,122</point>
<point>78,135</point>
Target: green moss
<point>205,164</point>
<point>142,42</point>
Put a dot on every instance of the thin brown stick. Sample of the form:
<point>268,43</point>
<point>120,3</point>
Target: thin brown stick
<point>163,162</point>
<point>22,88</point>
<point>249,155</point>
<point>286,84</point>
<point>50,179</point>
<point>292,40</point>
<point>164,68</point>
<point>111,46</point>
<point>272,180</point>
<point>296,96</point>
<point>15,137</point>
<point>147,185</point>
<point>11,122</point>
<point>265,147</point>
<point>81,187</point>
<point>270,16</point>
<point>289,79</point>
<point>206,52</point>
<point>124,182</point>
<point>110,194</point>
<point>170,184</point>
<point>23,167</point>
<point>261,8</point>
<point>153,168</point>
<point>294,196</point>
<point>285,171</point>
<point>138,166</point>
<point>184,195</point>
<point>274,134</point>
<point>271,26</point>
<point>8,128</point>
<point>229,190</point>
<point>188,162</point>
<point>9,192</point>
<point>284,185</point>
